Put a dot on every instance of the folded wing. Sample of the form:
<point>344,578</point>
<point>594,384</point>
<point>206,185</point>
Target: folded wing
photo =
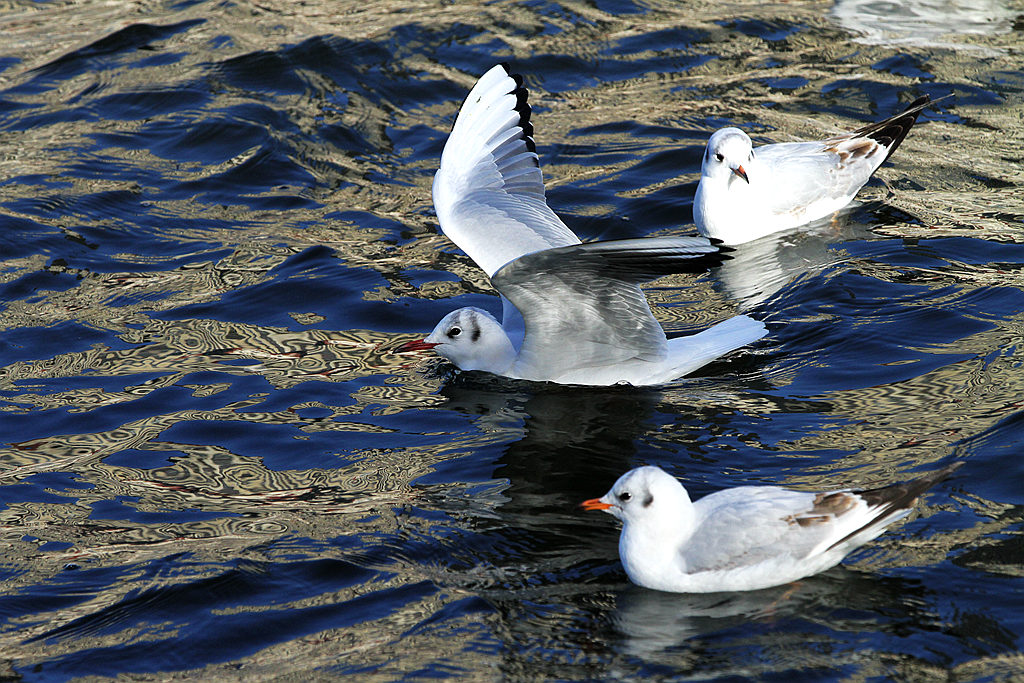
<point>833,169</point>
<point>764,524</point>
<point>753,524</point>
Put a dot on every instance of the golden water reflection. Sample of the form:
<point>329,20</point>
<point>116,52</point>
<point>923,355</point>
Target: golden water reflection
<point>251,510</point>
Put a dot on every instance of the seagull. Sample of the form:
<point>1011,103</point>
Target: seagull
<point>572,313</point>
<point>744,538</point>
<point>745,193</point>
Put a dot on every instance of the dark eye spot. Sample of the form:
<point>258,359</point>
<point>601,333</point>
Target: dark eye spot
<point>720,157</point>
<point>648,500</point>
<point>625,496</point>
<point>454,332</point>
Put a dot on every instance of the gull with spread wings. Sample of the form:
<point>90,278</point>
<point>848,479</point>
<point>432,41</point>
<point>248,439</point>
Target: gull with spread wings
<point>572,312</point>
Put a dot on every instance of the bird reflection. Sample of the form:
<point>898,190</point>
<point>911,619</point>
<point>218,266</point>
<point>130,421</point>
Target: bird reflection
<point>760,268</point>
<point>651,623</point>
<point>925,23</point>
<point>569,435</point>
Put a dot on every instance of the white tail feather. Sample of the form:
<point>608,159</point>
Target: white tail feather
<point>700,349</point>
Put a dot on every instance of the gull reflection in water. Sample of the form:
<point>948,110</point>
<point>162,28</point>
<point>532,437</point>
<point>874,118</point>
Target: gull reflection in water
<point>924,23</point>
<point>760,268</point>
<point>653,623</point>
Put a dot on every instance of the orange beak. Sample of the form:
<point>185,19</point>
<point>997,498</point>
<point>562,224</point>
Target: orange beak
<point>417,345</point>
<point>595,504</point>
<point>741,173</point>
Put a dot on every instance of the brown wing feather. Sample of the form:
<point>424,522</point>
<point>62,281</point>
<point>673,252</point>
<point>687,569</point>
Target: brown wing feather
<point>890,499</point>
<point>888,133</point>
<point>825,508</point>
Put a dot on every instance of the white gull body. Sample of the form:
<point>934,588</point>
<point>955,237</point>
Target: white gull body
<point>744,538</point>
<point>573,313</point>
<point>746,193</point>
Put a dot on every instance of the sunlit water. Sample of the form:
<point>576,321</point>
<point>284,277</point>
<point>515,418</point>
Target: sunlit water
<point>216,227</point>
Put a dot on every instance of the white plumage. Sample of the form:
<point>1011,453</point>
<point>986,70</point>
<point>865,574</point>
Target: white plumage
<point>744,538</point>
<point>746,193</point>
<point>572,313</point>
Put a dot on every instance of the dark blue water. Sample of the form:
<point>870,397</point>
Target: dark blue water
<point>216,228</point>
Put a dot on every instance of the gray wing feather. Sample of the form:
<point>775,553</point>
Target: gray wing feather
<point>750,524</point>
<point>583,306</point>
<point>810,171</point>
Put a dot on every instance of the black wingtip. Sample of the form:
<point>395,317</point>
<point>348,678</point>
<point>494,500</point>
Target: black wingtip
<point>723,248</point>
<point>894,497</point>
<point>891,132</point>
<point>898,496</point>
<point>918,104</point>
<point>523,107</point>
<point>525,112</point>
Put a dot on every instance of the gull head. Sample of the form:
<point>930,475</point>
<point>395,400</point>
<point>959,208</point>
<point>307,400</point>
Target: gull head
<point>645,496</point>
<point>470,338</point>
<point>727,152</point>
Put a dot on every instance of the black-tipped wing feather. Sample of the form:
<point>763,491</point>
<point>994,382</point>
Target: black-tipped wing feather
<point>489,191</point>
<point>891,132</point>
<point>890,499</point>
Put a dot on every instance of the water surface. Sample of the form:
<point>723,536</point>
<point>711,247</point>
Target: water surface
<point>216,228</point>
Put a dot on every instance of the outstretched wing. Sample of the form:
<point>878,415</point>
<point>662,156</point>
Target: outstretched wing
<point>583,306</point>
<point>489,191</point>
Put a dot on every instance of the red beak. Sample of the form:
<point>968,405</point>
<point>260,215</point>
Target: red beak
<point>595,504</point>
<point>741,173</point>
<point>417,345</point>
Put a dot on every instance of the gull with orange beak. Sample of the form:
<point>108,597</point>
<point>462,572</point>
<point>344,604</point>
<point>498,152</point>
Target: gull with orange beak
<point>748,537</point>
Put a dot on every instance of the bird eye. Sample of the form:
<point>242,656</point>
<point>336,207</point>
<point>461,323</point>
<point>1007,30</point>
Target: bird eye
<point>454,332</point>
<point>625,496</point>
<point>720,157</point>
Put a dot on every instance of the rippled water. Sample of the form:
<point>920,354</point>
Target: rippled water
<point>216,227</point>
